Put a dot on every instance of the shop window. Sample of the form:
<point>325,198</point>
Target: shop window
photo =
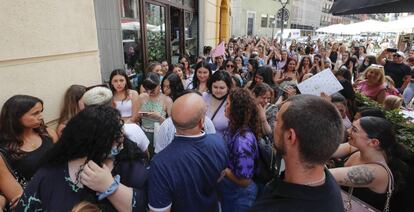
<point>190,35</point>
<point>189,3</point>
<point>156,33</point>
<point>264,21</point>
<point>131,35</point>
<point>272,22</point>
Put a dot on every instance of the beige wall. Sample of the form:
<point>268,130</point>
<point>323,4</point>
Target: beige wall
<point>45,46</point>
<point>212,22</point>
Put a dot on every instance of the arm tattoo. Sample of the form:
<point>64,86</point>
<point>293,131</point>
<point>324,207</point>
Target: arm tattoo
<point>360,175</point>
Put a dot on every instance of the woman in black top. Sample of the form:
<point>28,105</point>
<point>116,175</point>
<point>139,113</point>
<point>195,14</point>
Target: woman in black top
<point>24,138</point>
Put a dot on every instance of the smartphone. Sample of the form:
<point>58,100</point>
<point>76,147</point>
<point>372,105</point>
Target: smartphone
<point>392,49</point>
<point>143,112</point>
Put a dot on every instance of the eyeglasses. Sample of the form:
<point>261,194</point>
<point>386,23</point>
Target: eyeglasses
<point>229,66</point>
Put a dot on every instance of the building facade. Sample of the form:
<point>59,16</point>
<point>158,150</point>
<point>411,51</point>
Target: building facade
<point>257,17</point>
<point>329,19</point>
<point>306,15</point>
<point>81,41</point>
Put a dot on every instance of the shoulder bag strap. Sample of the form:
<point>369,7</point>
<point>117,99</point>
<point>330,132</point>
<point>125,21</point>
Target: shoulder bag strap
<point>221,104</point>
<point>390,184</point>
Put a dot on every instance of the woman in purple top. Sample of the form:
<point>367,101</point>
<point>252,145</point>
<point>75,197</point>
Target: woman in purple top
<point>237,188</point>
<point>219,86</point>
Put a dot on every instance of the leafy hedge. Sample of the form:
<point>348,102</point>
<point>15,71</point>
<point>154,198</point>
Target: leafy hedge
<point>403,127</point>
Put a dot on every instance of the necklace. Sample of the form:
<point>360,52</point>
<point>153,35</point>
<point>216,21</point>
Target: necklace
<point>317,182</point>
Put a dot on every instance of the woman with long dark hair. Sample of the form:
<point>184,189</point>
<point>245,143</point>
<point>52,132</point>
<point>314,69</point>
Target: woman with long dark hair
<point>24,138</point>
<point>202,74</point>
<point>125,99</point>
<point>304,67</point>
<point>91,162</point>
<point>172,86</point>
<point>375,159</point>
<point>237,188</point>
<point>263,75</point>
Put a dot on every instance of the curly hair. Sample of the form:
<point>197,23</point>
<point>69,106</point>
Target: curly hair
<point>89,134</point>
<point>243,113</point>
<point>11,128</point>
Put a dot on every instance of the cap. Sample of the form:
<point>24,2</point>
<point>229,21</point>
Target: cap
<point>400,53</point>
<point>97,96</point>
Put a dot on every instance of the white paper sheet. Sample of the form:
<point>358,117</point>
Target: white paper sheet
<point>324,81</point>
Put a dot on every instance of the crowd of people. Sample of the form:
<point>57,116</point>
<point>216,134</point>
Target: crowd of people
<point>189,136</point>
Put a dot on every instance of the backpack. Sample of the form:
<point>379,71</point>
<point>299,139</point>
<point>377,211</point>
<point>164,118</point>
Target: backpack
<point>266,161</point>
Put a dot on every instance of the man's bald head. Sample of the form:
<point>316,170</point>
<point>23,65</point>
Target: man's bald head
<point>187,111</point>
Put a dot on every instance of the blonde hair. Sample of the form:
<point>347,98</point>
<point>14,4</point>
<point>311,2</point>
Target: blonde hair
<point>85,206</point>
<point>392,102</point>
<point>376,68</point>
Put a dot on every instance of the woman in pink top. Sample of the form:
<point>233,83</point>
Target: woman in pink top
<point>373,84</point>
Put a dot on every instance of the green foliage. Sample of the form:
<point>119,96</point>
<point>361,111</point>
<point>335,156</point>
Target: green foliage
<point>403,127</point>
<point>156,46</point>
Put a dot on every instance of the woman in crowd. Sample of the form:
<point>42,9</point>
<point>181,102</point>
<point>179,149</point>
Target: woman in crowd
<point>362,55</point>
<point>333,54</point>
<point>373,84</point>
<point>188,72</point>
<point>240,68</point>
<point>126,100</point>
<point>218,63</point>
<point>266,111</point>
<point>237,188</point>
<point>289,75</point>
<point>219,86</point>
<point>24,139</point>
<point>252,67</point>
<point>263,75</point>
<point>172,86</point>
<point>91,162</point>
<point>231,68</point>
<point>152,67</point>
<point>202,74</point>
<point>155,107</point>
<point>317,64</point>
<point>72,104</point>
<point>304,67</point>
<point>390,88</point>
<point>283,60</point>
<point>375,159</point>
<point>368,60</point>
<point>179,70</point>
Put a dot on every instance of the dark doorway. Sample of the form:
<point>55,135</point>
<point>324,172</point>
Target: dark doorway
<point>176,33</point>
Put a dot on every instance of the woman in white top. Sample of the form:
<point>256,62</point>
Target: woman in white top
<point>125,99</point>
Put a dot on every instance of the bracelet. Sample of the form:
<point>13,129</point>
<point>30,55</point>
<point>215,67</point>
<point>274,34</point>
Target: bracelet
<point>112,188</point>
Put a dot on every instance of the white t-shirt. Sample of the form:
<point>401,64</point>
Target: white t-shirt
<point>135,134</point>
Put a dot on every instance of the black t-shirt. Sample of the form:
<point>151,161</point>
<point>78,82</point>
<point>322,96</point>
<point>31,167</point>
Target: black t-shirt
<point>283,196</point>
<point>397,72</point>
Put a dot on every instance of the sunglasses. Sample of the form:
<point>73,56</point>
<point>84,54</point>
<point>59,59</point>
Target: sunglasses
<point>397,55</point>
<point>229,66</point>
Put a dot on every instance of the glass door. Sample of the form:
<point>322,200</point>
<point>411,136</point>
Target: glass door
<point>176,34</point>
<point>156,32</point>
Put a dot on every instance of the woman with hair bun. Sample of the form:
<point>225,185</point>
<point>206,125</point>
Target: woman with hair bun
<point>376,161</point>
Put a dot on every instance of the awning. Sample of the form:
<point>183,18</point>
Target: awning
<point>346,7</point>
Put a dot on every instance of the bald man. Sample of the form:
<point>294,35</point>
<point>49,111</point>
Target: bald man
<point>184,176</point>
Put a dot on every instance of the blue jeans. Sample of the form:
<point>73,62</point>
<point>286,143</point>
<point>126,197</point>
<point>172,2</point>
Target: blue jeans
<point>235,198</point>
